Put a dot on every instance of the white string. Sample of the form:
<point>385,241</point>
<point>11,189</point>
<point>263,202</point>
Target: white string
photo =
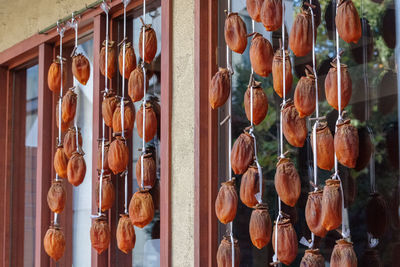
<point>144,95</point>
<point>314,139</point>
<point>60,30</point>
<point>275,257</point>
<point>345,228</point>
<point>229,67</point>
<point>125,173</point>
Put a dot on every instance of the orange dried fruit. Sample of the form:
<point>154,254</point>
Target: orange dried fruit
<point>54,243</point>
<point>56,197</point>
<point>100,234</point>
<point>130,60</point>
<point>149,171</point>
<point>126,236</point>
<point>118,156</point>
<point>150,123</point>
<point>277,73</point>
<point>261,55</point>
<point>226,202</point>
<point>287,182</point>
<point>235,33</point>
<point>76,169</point>
<point>242,153</point>
<point>260,226</point>
<point>81,68</point>
<point>260,103</point>
<point>141,208</point>
<point>111,59</point>
<point>220,88</point>
<point>150,44</point>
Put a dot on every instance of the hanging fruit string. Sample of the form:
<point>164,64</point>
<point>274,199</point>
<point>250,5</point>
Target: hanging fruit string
<point>144,94</point>
<point>280,148</point>
<point>74,24</point>
<point>314,135</point>
<point>125,173</point>
<point>230,69</point>
<point>258,195</point>
<point>60,30</point>
<point>106,10</point>
<point>345,227</point>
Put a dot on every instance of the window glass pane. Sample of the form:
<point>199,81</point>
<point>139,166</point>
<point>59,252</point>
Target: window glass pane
<point>373,109</point>
<point>82,197</point>
<point>31,132</point>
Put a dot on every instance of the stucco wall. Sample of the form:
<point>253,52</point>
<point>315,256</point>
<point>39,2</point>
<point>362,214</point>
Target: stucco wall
<point>20,19</point>
<point>182,171</point>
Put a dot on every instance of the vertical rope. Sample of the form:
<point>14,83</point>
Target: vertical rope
<point>280,148</point>
<point>345,228</point>
<point>314,139</point>
<point>106,10</point>
<point>229,67</point>
<point>125,173</point>
<point>144,95</point>
<point>60,30</point>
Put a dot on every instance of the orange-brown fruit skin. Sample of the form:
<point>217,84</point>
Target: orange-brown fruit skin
<point>126,237</point>
<point>130,60</point>
<point>312,258</point>
<point>277,73</point>
<point>61,163</point>
<point>141,208</point>
<point>287,182</point>
<point>150,124</point>
<point>331,215</point>
<point>294,128</point>
<point>64,125</point>
<point>346,144</point>
<point>226,202</point>
<point>331,88</point>
<point>111,60</point>
<point>54,243</point>
<point>81,68</point>
<point>377,214</point>
<point>325,148</point>
<point>348,22</point>
<point>107,193</point>
<point>106,167</point>
<point>108,107</point>
<point>100,235</point>
<point>149,171</point>
<point>136,84</point>
<point>260,226</point>
<point>220,88</point>
<point>56,197</point>
<point>260,104</point>
<point>118,156</point>
<point>68,106</point>
<point>261,55</point>
<point>313,213</point>
<point>271,14</point>
<point>249,186</point>
<point>235,33</point>
<point>54,77</point>
<point>304,96</point>
<point>343,255</point>
<point>129,119</point>
<point>254,9</point>
<point>224,253</point>
<point>300,39</point>
<point>287,241</point>
<point>76,169</point>
<point>150,44</point>
<point>69,142</point>
<point>242,153</point>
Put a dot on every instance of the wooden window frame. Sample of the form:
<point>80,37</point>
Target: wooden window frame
<point>42,48</point>
<point>205,135</point>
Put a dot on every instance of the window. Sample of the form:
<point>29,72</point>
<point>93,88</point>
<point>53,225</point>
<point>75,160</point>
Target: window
<point>23,170</point>
<point>27,107</point>
<point>374,91</point>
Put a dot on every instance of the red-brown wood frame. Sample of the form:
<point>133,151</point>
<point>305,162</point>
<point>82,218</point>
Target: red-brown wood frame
<point>42,47</point>
<point>206,135</point>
